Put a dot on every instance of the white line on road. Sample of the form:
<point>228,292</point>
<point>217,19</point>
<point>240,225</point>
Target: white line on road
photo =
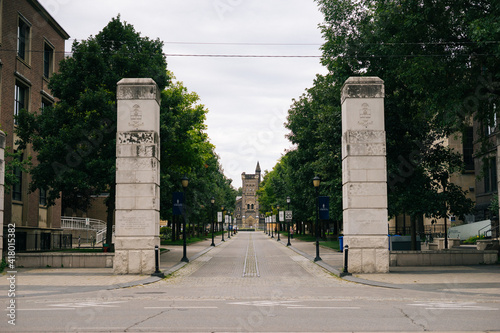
<point>180,307</point>
<point>453,306</point>
<point>325,307</point>
<point>46,309</point>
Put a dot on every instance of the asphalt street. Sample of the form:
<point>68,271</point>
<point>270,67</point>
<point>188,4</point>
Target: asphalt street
<point>252,283</point>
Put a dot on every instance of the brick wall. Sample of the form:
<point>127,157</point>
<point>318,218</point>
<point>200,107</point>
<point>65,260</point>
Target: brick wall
<point>43,30</point>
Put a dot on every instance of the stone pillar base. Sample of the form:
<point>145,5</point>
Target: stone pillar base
<point>134,262</point>
<point>368,253</point>
<point>135,255</point>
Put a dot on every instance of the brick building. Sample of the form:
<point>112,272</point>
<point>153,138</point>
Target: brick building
<point>31,47</point>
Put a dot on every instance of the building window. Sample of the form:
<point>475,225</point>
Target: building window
<point>468,148</point>
<point>490,176</point>
<point>43,197</point>
<point>17,193</point>
<point>45,104</point>
<point>23,38</point>
<point>20,99</point>
<point>48,60</point>
<point>491,125</point>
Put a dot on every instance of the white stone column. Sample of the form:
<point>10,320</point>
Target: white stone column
<point>364,175</point>
<point>2,187</point>
<point>137,176</point>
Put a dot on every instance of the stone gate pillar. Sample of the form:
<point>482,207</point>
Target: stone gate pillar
<point>364,175</point>
<point>137,219</point>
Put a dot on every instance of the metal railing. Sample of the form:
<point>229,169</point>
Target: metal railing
<point>83,223</point>
<point>493,232</point>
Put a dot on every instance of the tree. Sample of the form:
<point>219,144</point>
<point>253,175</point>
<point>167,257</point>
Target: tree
<point>186,151</point>
<point>422,51</point>
<point>75,138</point>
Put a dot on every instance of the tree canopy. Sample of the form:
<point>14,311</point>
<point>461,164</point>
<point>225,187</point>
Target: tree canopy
<point>439,62</point>
<point>75,139</point>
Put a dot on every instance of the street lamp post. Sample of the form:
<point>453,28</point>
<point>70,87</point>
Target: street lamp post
<point>185,182</point>
<point>289,223</point>
<point>316,182</point>
<point>273,221</point>
<point>222,223</point>
<point>278,222</point>
<point>228,224</point>
<point>212,201</point>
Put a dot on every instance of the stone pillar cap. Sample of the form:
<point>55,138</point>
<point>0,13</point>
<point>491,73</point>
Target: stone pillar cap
<point>137,88</point>
<point>363,87</point>
<point>136,81</point>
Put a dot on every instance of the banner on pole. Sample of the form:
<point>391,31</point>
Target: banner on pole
<point>219,217</point>
<point>324,208</point>
<point>177,201</point>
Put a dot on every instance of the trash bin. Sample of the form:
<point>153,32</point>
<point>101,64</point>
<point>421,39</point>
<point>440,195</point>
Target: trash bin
<point>341,243</point>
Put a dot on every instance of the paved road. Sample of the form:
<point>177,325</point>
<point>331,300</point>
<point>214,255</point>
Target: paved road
<point>253,283</point>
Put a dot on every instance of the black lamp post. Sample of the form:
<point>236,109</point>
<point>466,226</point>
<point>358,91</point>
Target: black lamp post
<point>290,222</point>
<point>278,224</point>
<point>316,182</point>
<point>273,222</point>
<point>212,201</point>
<point>185,182</point>
<point>229,224</point>
<point>267,226</point>
<point>222,223</point>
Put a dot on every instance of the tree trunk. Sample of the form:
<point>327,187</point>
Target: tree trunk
<point>172,226</point>
<point>413,232</point>
<point>110,204</point>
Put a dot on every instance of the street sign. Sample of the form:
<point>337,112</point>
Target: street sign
<point>288,215</point>
<point>324,208</point>
<point>282,215</point>
<point>219,217</point>
<point>177,201</point>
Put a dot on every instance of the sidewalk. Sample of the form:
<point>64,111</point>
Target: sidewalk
<point>42,281</point>
<point>477,279</point>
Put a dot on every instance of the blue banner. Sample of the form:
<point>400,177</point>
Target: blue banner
<point>324,208</point>
<point>178,200</point>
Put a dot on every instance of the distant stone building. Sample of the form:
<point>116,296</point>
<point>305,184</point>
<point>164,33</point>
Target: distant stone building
<point>247,206</point>
<point>31,47</point>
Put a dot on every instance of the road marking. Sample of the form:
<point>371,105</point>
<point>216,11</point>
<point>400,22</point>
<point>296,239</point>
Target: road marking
<point>325,307</point>
<point>251,267</point>
<point>454,306</point>
<point>89,304</point>
<point>46,309</point>
<point>265,303</point>
<point>181,307</point>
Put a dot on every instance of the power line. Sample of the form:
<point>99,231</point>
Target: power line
<point>240,55</point>
<point>356,56</point>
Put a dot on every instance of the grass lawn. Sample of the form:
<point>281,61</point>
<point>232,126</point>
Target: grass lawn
<point>332,244</point>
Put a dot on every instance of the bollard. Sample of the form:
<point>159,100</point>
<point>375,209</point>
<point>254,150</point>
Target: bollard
<point>346,256</point>
<point>157,263</point>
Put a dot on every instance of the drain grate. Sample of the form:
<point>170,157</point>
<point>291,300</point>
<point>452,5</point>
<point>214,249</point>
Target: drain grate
<point>251,268</point>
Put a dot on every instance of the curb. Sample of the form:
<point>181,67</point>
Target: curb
<point>340,274</point>
<point>153,279</point>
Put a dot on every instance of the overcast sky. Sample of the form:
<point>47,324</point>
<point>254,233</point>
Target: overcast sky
<point>247,97</point>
